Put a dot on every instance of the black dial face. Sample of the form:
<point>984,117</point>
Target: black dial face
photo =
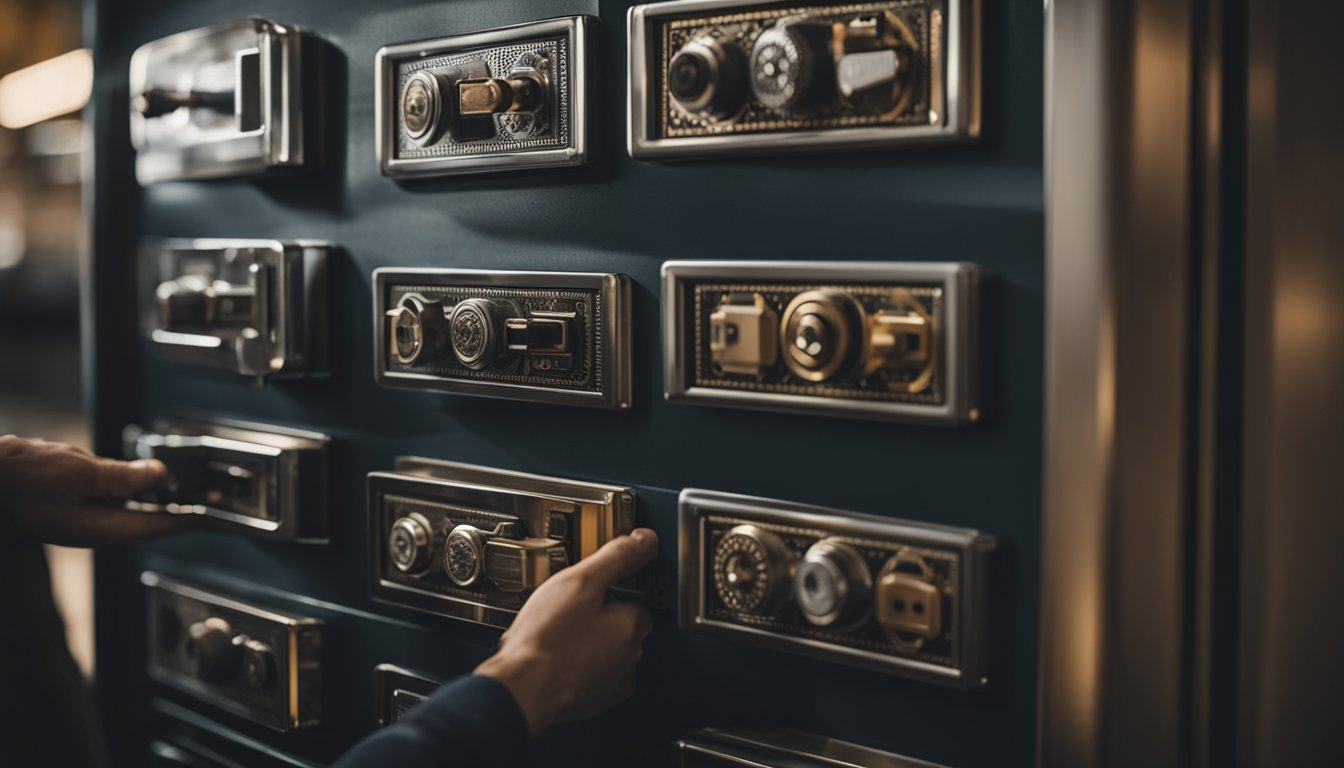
<point>741,572</point>
<point>776,69</point>
<point>688,76</point>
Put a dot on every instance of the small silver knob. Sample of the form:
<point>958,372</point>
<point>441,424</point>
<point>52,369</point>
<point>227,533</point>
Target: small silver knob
<point>410,543</point>
<point>463,555</point>
<point>833,586</point>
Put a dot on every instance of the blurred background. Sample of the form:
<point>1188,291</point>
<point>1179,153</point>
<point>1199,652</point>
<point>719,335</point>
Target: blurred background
<point>45,80</point>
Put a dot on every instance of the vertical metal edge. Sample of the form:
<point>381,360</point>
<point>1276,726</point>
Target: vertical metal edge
<point>581,31</point>
<point>382,86</point>
<point>637,96</point>
<point>674,384</point>
<point>689,566</point>
<point>617,338</point>
<point>379,339</point>
<point>1115,506</point>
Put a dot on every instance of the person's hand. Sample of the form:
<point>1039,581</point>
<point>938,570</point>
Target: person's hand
<point>60,494</point>
<point>570,653</point>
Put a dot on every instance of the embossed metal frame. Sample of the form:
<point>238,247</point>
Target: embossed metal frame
<point>280,143</point>
<point>797,749</point>
<point>960,283</point>
<point>435,478</point>
<point>302,669</point>
<point>578,29</point>
<point>961,85</point>
<point>297,306</point>
<point>302,516</point>
<point>972,547</point>
<point>613,334</point>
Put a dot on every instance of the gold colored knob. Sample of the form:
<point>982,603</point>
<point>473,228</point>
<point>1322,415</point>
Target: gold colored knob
<point>492,95</point>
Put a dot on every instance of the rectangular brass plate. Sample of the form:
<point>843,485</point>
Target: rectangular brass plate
<point>291,699</point>
<point>942,104</point>
<point>555,135</point>
<point>447,494</point>
<point>955,558</point>
<point>596,374</point>
<point>941,388</point>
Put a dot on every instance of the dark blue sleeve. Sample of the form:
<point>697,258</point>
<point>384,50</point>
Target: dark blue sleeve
<point>472,721</point>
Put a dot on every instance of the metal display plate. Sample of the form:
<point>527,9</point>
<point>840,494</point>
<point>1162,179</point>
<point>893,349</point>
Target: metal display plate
<point>261,664</point>
<point>940,101</point>
<point>266,481</point>
<point>593,370</point>
<point>562,520</point>
<point>256,307</point>
<point>232,99</point>
<point>398,690</point>
<point>953,562</point>
<point>730,748</point>
<point>555,52</point>
<point>943,298</point>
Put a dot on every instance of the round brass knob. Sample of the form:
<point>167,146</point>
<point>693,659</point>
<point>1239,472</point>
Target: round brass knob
<point>751,570</point>
<point>822,335</point>
<point>833,586</point>
<point>410,544</point>
<point>210,654</point>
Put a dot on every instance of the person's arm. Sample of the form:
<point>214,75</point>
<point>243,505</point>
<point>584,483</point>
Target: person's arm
<point>60,494</point>
<point>570,654</point>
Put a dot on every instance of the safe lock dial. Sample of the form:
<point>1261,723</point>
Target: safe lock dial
<point>477,331</point>
<point>411,544</point>
<point>708,76</point>
<point>752,570</point>
<point>791,67</point>
<point>832,585</point>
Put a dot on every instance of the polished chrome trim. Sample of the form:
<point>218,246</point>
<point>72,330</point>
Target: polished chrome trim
<point>795,749</point>
<point>961,300</point>
<point>297,458</point>
<point>1117,505</point>
<point>614,335</point>
<point>971,546</point>
<point>294,292</point>
<point>390,679</point>
<point>438,481</point>
<point>279,142</point>
<point>962,81</point>
<point>578,29</point>
<point>298,667</point>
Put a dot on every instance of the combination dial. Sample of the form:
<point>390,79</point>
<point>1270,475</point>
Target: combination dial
<point>790,67</point>
<point>464,554</point>
<point>708,76</point>
<point>411,544</point>
<point>751,570</point>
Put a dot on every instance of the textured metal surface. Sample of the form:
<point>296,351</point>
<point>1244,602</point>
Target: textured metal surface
<point>979,203</point>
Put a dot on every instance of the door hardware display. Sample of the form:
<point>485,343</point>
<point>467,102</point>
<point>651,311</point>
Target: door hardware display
<point>718,77</point>
<point>256,662</point>
<point>233,99</point>
<point>730,748</point>
<point>398,690</point>
<point>553,337</point>
<point>472,542</point>
<point>268,481</point>
<point>890,595</point>
<point>256,307</point>
<point>895,341</point>
<point>502,99</point>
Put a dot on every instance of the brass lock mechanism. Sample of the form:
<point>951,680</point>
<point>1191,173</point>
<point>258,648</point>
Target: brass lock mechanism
<point>478,332</point>
<point>893,340</point>
<point>460,102</point>
<point>474,543</point>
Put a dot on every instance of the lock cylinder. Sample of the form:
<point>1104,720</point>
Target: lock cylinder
<point>822,335</point>
<point>411,544</point>
<point>832,585</point>
<point>709,76</point>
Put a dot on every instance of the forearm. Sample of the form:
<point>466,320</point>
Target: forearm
<point>473,720</point>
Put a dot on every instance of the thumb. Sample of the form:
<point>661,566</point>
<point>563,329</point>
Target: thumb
<point>620,557</point>
<point>112,479</point>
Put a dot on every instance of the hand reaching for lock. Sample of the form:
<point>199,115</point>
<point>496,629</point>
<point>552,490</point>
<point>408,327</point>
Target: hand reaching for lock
<point>571,653</point>
<point>60,494</point>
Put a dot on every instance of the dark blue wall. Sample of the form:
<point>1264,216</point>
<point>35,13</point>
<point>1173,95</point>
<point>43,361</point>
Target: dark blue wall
<point>981,203</point>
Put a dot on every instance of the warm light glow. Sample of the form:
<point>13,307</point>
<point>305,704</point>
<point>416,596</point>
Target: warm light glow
<point>46,90</point>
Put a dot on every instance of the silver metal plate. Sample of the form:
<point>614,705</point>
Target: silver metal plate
<point>948,298</point>
<point>267,481</point>
<point>255,307</point>
<point>947,108</point>
<point>709,747</point>
<point>556,134</point>
<point>286,696</point>
<point>597,373</point>
<point>240,89</point>
<point>577,516</point>
<point>957,567</point>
